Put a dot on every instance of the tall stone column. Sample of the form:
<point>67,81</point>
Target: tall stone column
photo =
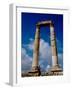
<point>35,66</point>
<point>55,66</point>
<point>53,46</point>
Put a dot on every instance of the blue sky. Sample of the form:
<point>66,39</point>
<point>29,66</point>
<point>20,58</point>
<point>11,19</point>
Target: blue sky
<point>28,29</point>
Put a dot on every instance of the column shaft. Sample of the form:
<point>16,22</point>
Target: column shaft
<point>53,46</point>
<point>36,48</point>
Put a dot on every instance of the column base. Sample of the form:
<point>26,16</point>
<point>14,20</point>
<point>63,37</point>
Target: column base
<point>56,70</point>
<point>35,71</point>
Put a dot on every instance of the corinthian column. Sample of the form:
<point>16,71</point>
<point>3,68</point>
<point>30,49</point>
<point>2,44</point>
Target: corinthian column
<point>36,49</point>
<point>53,46</point>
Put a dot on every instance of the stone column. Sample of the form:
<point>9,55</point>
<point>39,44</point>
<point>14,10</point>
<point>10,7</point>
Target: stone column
<point>53,46</point>
<point>36,49</point>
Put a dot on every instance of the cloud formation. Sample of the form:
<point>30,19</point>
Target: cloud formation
<point>26,60</point>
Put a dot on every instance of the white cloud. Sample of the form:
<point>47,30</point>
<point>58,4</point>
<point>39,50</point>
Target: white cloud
<point>45,49</point>
<point>48,67</point>
<point>25,55</point>
<point>31,44</point>
<point>26,60</point>
<point>31,39</point>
